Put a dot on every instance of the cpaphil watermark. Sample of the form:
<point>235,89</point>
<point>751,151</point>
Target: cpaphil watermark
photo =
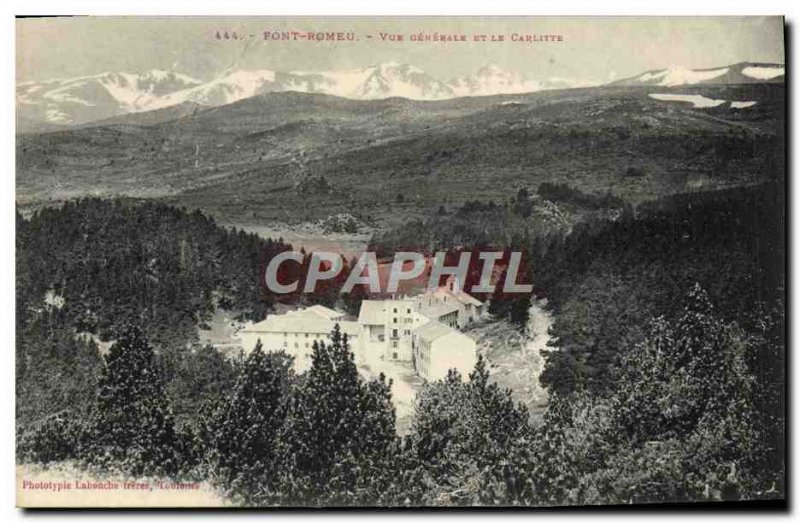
<point>292,271</point>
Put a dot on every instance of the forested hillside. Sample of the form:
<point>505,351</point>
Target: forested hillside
<point>681,422</point>
<point>666,374</point>
<point>606,283</point>
<point>91,266</point>
<point>608,269</point>
<point>606,280</point>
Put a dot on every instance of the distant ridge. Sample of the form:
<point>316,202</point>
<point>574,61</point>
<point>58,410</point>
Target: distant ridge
<point>154,117</point>
<point>164,95</point>
<point>86,99</point>
<point>741,73</point>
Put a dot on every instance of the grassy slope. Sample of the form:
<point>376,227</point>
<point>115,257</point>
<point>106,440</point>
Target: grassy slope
<point>254,154</point>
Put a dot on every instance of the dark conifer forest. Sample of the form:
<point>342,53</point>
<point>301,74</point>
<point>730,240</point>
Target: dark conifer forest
<point>666,376</point>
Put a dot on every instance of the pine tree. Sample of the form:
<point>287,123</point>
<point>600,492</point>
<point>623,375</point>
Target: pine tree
<point>682,414</point>
<point>684,374</point>
<point>462,433</point>
<point>519,310</point>
<point>338,431</point>
<point>243,433</point>
<point>133,424</point>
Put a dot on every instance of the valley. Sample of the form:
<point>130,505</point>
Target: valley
<point>400,262</point>
<point>650,222</point>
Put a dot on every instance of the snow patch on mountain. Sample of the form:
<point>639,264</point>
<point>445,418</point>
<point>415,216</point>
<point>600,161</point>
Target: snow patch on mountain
<point>681,76</point>
<point>56,116</point>
<point>394,79</point>
<point>491,79</point>
<point>763,73</point>
<point>229,87</point>
<point>63,95</point>
<point>701,102</point>
<point>87,98</point>
<point>697,101</point>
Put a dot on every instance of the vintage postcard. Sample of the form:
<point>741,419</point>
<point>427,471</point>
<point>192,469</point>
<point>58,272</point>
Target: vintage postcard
<point>400,262</point>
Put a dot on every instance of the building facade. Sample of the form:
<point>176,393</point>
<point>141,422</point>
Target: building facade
<point>437,348</point>
<point>386,327</point>
<point>295,333</point>
<point>420,330</point>
<point>469,308</point>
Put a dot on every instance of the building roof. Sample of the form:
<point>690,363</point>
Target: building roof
<point>372,312</point>
<point>325,312</point>
<point>461,296</point>
<point>467,299</point>
<point>434,330</point>
<point>301,323</point>
<point>303,313</point>
<point>437,309</point>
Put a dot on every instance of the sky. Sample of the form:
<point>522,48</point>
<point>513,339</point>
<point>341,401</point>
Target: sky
<point>592,49</point>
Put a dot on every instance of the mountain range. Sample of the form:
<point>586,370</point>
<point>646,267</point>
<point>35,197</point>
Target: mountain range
<point>740,73</point>
<point>295,157</point>
<point>88,98</point>
<point>52,104</point>
<point>74,101</point>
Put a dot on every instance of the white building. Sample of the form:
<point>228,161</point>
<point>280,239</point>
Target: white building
<point>469,308</point>
<point>296,331</point>
<point>325,312</point>
<point>473,309</point>
<point>418,329</point>
<point>436,309</point>
<point>438,348</point>
<point>386,327</point>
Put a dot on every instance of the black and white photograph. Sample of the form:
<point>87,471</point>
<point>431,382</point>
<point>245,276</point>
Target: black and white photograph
<point>448,262</point>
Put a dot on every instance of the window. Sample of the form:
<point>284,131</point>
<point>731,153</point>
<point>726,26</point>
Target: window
<point>394,344</point>
<point>296,345</point>
<point>285,344</point>
<point>394,320</point>
<point>394,333</point>
<point>394,355</point>
<point>407,332</point>
<point>408,311</point>
<point>306,344</point>
<point>306,335</point>
<point>395,311</point>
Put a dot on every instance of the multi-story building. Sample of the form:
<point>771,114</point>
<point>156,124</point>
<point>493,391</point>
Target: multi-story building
<point>469,308</point>
<point>436,309</point>
<point>296,331</point>
<point>419,329</point>
<point>386,327</point>
<point>437,348</point>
